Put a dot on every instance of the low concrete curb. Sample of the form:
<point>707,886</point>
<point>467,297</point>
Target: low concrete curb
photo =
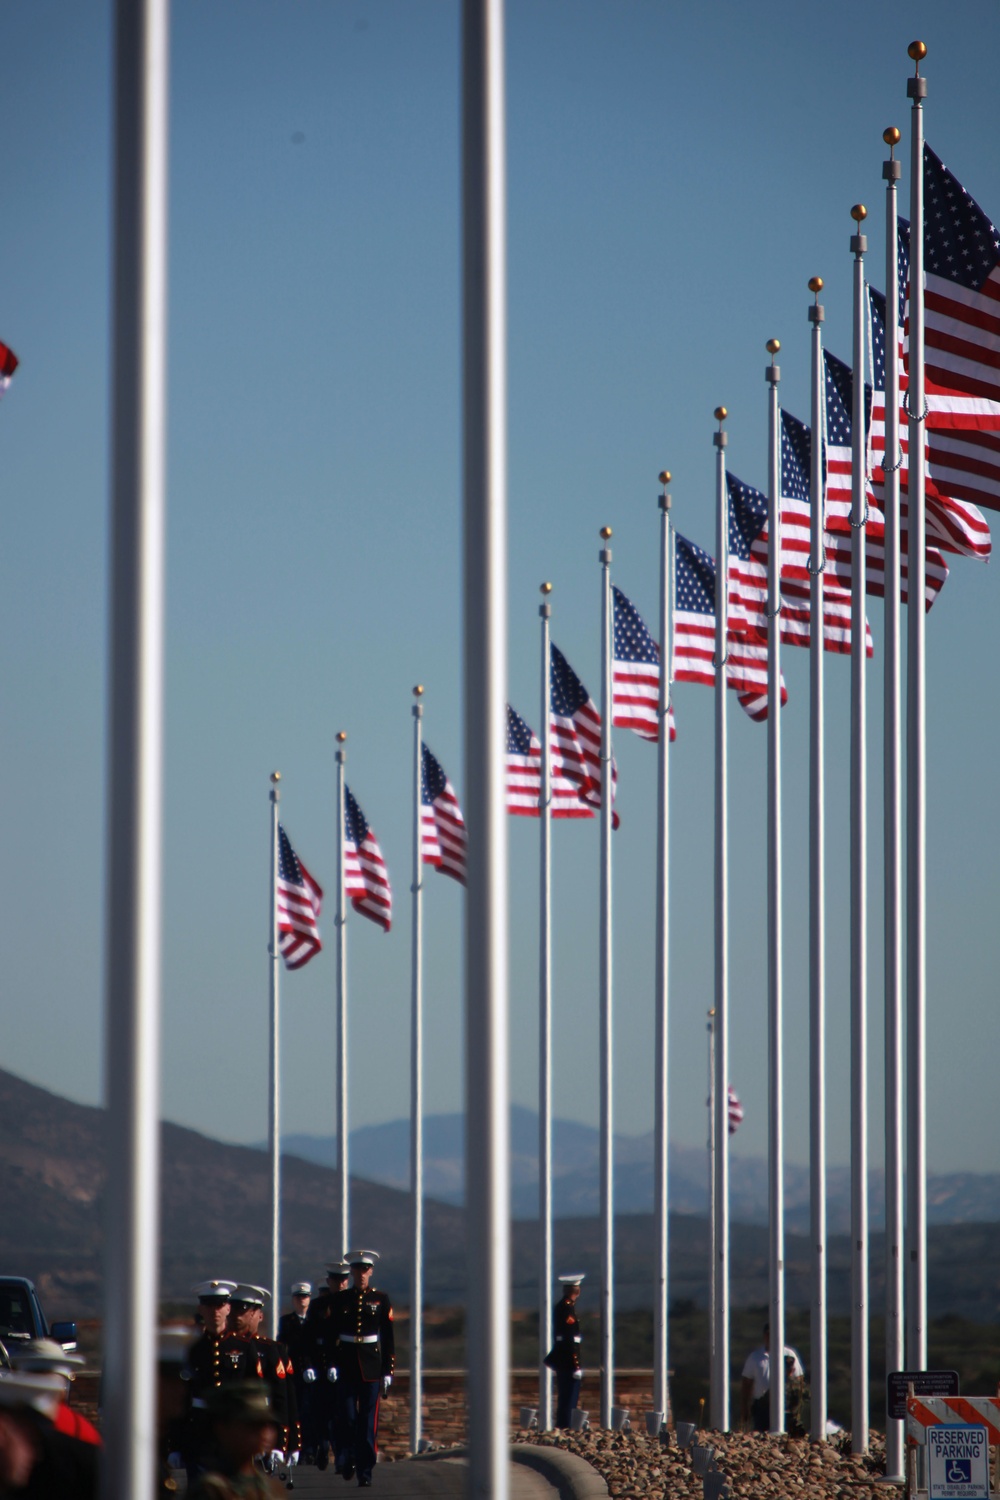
<point>571,1475</point>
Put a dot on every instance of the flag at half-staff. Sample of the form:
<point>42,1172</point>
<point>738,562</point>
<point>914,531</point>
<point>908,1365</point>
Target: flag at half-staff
<point>299,902</point>
<point>576,733</point>
<point>365,876</point>
<point>524,776</point>
<point>636,673</point>
<point>443,839</point>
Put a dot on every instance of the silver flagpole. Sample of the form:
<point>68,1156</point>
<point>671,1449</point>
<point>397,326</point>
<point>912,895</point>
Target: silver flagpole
<point>776,1145</point>
<point>545,1271</point>
<point>485,691</point>
<point>713,1310</point>
<point>892,825</point>
<point>661,1125</point>
<point>606,1032</point>
<point>859,865</point>
<point>135,739</point>
<point>720,1179</point>
<point>274,1067</point>
<point>817,891</point>
<point>343,1140</point>
<point>416,1095</point>
<point>916,761</point>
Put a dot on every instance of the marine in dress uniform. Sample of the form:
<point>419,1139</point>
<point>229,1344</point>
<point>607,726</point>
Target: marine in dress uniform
<point>252,1356</point>
<point>296,1336</point>
<point>564,1356</point>
<point>204,1369</point>
<point>326,1402</point>
<point>366,1358</point>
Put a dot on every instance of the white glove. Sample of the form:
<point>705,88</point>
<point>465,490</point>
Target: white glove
<point>331,1374</point>
<point>309,1376</point>
<point>386,1383</point>
<point>577,1374</point>
<point>293,1458</point>
<point>277,1457</point>
<point>175,1461</point>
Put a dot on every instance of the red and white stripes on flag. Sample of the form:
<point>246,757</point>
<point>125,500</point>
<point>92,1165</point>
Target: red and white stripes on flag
<point>575,726</point>
<point>365,878</point>
<point>8,364</point>
<point>735,1111</point>
<point>524,777</point>
<point>443,839</point>
<point>299,902</point>
<point>694,634</point>
<point>635,691</point>
<point>954,522</point>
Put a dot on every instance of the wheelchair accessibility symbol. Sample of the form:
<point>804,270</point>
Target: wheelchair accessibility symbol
<point>959,1471</point>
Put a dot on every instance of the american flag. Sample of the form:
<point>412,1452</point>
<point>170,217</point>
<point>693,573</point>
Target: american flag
<point>443,840</point>
<point>954,523</point>
<point>524,776</point>
<point>838,389</point>
<point>365,877</point>
<point>961,301</point>
<point>635,695</point>
<point>694,634</point>
<point>796,521</point>
<point>576,732</point>
<point>8,364</point>
<point>299,902</point>
<point>735,1111</point>
<point>748,556</point>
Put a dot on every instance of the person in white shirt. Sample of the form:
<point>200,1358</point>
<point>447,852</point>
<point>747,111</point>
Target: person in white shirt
<point>755,1392</point>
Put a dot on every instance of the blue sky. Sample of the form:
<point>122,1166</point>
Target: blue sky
<point>676,174</point>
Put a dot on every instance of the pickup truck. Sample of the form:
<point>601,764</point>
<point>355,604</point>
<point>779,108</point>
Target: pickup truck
<point>21,1316</point>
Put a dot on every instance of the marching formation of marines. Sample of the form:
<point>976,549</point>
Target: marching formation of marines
<point>320,1382</point>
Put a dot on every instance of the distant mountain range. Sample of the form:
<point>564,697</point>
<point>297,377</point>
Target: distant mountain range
<point>381,1153</point>
<point>215,1222</point>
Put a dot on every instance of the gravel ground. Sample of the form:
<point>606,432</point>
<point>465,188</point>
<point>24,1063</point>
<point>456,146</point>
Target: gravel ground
<point>634,1465</point>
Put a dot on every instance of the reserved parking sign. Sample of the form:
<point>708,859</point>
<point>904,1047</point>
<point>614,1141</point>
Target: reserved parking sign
<point>958,1463</point>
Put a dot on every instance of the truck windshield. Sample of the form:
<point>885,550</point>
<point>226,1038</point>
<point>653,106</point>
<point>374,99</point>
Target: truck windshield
<point>15,1314</point>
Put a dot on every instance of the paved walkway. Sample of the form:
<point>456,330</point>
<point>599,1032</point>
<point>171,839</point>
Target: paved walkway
<point>419,1479</point>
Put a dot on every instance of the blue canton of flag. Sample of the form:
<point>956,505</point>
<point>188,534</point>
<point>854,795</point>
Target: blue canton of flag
<point>299,902</point>
<point>443,840</point>
<point>365,877</point>
<point>636,673</point>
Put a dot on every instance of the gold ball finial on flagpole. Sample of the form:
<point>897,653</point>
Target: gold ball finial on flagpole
<point>891,137</point>
<point>275,777</point>
<point>815,285</point>
<point>545,588</point>
<point>606,533</point>
<point>859,213</point>
<point>341,736</point>
<point>721,413</point>
<point>665,477</point>
<point>772,346</point>
<point>917,51</point>
<point>418,691</point>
